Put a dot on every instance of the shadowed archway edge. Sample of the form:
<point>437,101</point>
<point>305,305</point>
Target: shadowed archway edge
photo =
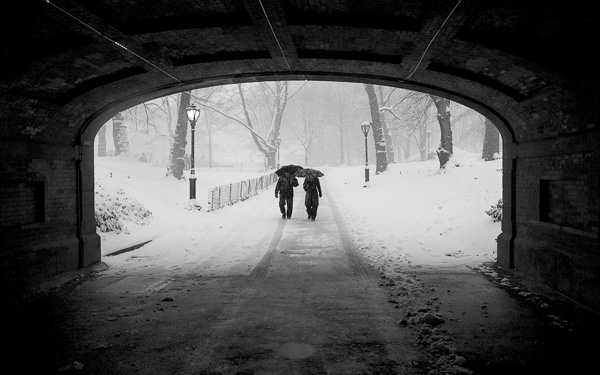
<point>90,128</point>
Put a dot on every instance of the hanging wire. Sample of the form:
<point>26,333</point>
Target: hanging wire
<point>414,69</point>
<point>275,35</point>
<point>113,41</point>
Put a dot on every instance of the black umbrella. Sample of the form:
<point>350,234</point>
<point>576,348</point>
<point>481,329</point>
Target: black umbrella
<point>291,169</point>
<point>305,172</point>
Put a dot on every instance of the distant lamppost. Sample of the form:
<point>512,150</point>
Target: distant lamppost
<point>278,143</point>
<point>193,113</point>
<point>365,129</point>
<point>428,143</point>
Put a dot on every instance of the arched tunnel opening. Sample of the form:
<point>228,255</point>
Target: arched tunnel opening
<point>358,288</point>
<point>528,67</point>
<point>420,229</point>
<point>413,214</point>
<point>394,275</point>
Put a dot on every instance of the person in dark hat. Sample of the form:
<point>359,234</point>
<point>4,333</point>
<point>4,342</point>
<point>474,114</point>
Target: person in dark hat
<point>285,189</point>
<point>312,186</point>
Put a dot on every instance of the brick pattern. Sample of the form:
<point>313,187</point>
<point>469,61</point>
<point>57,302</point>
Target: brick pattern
<point>558,217</point>
<point>561,204</point>
<point>21,203</point>
<point>557,189</point>
<point>28,228</point>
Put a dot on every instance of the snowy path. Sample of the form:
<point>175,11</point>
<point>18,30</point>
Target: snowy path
<point>298,298</point>
<point>310,306</point>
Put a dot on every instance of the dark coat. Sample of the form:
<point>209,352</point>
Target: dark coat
<point>292,182</point>
<point>312,186</point>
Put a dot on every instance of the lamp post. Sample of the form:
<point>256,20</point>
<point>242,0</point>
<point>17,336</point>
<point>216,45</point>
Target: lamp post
<point>365,129</point>
<point>193,113</point>
<point>278,142</point>
<point>428,143</point>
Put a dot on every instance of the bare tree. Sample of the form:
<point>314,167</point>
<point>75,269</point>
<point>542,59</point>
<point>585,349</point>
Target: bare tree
<point>150,117</point>
<point>120,135</point>
<point>212,127</point>
<point>176,163</point>
<point>491,141</point>
<point>341,100</point>
<point>409,121</point>
<point>444,150</point>
<point>274,98</point>
<point>384,99</point>
<point>153,118</point>
<point>468,128</point>
<point>102,141</point>
<point>308,126</point>
<point>378,135</point>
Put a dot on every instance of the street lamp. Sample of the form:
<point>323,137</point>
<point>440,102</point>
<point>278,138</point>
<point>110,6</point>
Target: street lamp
<point>428,143</point>
<point>365,129</point>
<point>278,142</point>
<point>192,113</point>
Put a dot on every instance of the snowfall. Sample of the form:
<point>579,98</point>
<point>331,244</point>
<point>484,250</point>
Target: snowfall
<point>413,216</point>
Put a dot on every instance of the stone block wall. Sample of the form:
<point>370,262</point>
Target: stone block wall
<point>557,219</point>
<point>39,208</point>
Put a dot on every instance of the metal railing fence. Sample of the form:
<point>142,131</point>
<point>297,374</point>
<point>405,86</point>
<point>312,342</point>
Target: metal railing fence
<point>223,195</point>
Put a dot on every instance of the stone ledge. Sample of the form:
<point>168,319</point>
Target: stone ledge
<point>593,235</point>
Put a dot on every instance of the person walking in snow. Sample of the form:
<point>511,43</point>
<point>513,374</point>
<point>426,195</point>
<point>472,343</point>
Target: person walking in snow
<point>285,190</point>
<point>312,186</point>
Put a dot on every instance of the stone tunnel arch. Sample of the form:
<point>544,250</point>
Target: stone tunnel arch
<point>529,66</point>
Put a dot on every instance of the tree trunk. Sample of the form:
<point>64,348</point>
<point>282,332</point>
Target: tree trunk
<point>386,133</point>
<point>176,161</point>
<point>120,135</point>
<point>271,159</point>
<point>280,104</point>
<point>267,147</point>
<point>491,141</point>
<point>388,140</point>
<point>306,156</point>
<point>378,136</point>
<point>444,151</point>
<point>102,142</point>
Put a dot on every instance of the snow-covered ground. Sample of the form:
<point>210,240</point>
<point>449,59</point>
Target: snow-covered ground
<point>412,216</point>
<point>415,215</point>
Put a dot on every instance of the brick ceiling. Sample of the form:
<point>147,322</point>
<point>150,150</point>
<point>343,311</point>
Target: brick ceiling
<point>56,53</point>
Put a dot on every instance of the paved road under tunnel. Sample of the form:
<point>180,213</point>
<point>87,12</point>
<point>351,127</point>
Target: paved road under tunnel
<point>310,306</point>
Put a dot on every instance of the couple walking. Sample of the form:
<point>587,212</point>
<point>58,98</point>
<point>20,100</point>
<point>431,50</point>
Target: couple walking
<point>285,190</point>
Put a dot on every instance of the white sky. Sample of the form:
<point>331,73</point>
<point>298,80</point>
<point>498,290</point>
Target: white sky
<point>411,217</point>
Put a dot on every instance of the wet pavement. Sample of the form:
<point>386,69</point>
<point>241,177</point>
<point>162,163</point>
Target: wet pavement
<point>311,306</point>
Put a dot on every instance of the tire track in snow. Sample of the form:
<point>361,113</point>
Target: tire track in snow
<point>356,262</point>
